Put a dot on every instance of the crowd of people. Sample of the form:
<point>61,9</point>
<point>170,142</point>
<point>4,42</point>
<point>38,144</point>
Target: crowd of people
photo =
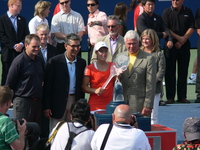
<point>45,76</point>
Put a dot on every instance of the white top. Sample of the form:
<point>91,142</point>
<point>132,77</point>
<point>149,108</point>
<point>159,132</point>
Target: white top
<point>120,138</point>
<point>67,23</point>
<point>34,22</point>
<point>81,141</point>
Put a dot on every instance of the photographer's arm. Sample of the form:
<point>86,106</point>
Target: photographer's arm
<point>19,143</point>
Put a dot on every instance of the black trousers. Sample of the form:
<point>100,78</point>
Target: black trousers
<point>198,71</point>
<point>177,58</point>
<point>5,69</point>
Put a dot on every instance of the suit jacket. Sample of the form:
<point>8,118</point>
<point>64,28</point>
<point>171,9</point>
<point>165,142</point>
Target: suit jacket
<point>155,22</point>
<point>120,47</point>
<point>9,37</point>
<point>140,83</point>
<point>51,51</point>
<point>56,84</point>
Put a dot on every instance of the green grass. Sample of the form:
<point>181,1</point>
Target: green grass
<point>191,95</point>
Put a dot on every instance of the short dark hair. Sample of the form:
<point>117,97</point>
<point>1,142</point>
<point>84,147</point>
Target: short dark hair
<point>29,37</point>
<point>6,94</point>
<point>145,1</point>
<point>80,110</point>
<point>73,37</point>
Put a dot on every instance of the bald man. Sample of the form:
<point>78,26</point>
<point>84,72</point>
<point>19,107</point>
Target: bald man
<point>122,135</point>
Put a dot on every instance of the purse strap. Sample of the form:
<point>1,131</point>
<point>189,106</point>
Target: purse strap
<point>54,133</point>
<point>106,137</point>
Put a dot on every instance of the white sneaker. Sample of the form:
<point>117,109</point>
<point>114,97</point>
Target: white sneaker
<point>192,81</point>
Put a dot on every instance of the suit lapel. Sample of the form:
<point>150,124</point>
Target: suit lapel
<point>138,61</point>
<point>9,23</point>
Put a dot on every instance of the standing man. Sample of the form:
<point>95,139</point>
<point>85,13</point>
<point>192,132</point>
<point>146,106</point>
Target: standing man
<point>197,26</point>
<point>46,50</point>
<point>65,22</point>
<point>25,78</point>
<point>122,135</point>
<point>96,26</point>
<point>149,20</point>
<point>180,20</point>
<point>63,81</point>
<point>13,30</point>
<point>139,80</point>
<point>114,40</point>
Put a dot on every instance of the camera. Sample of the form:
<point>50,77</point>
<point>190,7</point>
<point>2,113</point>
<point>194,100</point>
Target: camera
<point>32,128</point>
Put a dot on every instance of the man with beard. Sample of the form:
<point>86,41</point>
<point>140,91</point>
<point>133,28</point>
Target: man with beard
<point>114,40</point>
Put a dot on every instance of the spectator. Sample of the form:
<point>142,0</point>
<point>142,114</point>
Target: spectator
<point>139,80</point>
<point>65,22</point>
<point>40,14</point>
<point>114,40</point>
<point>46,50</point>
<point>8,133</point>
<point>180,20</point>
<point>138,10</point>
<point>122,134</point>
<point>96,25</point>
<point>197,26</point>
<point>80,115</point>
<point>150,44</point>
<point>121,11</point>
<point>95,76</point>
<point>191,132</point>
<point>149,20</point>
<point>13,30</point>
<point>63,80</point>
<point>25,77</point>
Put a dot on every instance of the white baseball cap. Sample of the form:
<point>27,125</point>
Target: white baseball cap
<point>100,45</point>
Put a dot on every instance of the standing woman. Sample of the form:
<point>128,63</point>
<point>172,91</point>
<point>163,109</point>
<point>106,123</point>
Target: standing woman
<point>121,11</point>
<point>41,11</point>
<point>150,44</point>
<point>95,76</point>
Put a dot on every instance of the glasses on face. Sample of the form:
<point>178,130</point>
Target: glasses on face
<point>88,5</point>
<point>112,26</point>
<point>62,3</point>
<point>175,0</point>
<point>75,46</point>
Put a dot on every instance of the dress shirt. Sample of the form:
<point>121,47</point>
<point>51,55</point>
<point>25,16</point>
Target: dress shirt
<point>44,53</point>
<point>72,74</point>
<point>34,22</point>
<point>97,31</point>
<point>13,19</point>
<point>67,23</point>
<point>113,43</point>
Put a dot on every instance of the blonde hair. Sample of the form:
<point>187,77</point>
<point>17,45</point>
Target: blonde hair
<point>153,36</point>
<point>43,27</point>
<point>10,2</point>
<point>40,7</point>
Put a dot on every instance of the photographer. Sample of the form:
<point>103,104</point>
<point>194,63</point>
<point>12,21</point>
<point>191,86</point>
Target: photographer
<point>120,135</point>
<point>9,138</point>
<point>80,116</point>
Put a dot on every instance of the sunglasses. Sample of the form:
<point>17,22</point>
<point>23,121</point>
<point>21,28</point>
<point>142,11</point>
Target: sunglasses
<point>91,5</point>
<point>75,46</point>
<point>111,26</point>
<point>64,2</point>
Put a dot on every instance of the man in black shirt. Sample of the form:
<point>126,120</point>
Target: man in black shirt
<point>180,20</point>
<point>25,78</point>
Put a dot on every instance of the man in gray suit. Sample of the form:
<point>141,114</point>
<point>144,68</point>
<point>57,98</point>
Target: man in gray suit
<point>114,40</point>
<point>139,80</point>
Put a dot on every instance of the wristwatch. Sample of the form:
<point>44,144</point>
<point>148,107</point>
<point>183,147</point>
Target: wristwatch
<point>96,23</point>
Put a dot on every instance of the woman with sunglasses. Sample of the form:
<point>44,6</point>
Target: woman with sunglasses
<point>150,44</point>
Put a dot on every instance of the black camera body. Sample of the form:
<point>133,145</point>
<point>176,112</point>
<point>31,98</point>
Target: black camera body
<point>32,128</point>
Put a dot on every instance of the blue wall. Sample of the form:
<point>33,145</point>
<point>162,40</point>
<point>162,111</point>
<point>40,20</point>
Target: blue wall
<point>105,5</point>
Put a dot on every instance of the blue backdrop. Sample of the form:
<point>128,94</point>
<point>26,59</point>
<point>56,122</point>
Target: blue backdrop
<point>106,6</point>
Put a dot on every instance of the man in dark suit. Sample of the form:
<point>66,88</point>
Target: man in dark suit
<point>13,30</point>
<point>63,80</point>
<point>46,50</point>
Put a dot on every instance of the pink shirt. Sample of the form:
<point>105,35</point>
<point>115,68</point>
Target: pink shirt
<point>97,31</point>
